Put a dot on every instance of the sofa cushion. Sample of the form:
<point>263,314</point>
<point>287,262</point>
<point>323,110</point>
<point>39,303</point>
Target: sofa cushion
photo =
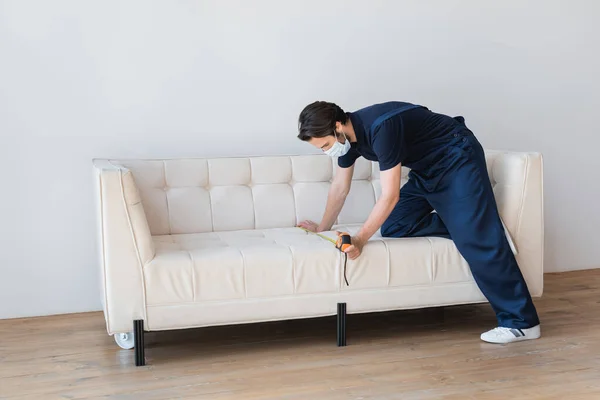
<point>223,266</point>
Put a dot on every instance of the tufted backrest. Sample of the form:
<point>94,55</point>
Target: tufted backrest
<point>203,195</point>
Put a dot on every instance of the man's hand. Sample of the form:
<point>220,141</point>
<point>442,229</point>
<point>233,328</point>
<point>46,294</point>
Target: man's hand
<point>355,248</point>
<point>309,226</point>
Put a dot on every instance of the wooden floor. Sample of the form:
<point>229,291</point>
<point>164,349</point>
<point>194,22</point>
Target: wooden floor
<point>423,354</point>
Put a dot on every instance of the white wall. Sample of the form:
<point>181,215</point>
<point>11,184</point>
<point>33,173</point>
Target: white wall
<point>202,78</point>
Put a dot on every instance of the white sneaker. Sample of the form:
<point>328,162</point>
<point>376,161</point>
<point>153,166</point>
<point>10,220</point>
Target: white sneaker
<point>507,335</point>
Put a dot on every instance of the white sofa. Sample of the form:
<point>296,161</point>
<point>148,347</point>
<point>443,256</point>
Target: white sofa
<point>198,242</point>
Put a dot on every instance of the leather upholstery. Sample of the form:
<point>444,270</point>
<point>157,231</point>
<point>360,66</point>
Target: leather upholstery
<point>198,242</point>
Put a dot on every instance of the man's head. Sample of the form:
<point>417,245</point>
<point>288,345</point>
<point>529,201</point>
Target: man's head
<point>324,125</point>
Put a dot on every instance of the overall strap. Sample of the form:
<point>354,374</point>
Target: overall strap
<point>390,114</point>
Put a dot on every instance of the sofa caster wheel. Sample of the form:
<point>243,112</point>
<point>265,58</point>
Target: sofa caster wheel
<point>125,340</point>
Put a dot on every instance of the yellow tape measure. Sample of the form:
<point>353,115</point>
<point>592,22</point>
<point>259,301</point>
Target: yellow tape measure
<point>319,235</point>
<point>341,244</point>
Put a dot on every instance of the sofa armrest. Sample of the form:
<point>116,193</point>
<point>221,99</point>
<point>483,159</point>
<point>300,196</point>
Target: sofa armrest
<point>530,231</point>
<point>126,246</point>
<point>522,173</point>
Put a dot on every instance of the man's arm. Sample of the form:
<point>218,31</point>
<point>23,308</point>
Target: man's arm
<point>390,194</point>
<point>340,187</point>
<point>387,145</point>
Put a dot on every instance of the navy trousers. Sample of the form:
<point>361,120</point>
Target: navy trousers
<point>457,186</point>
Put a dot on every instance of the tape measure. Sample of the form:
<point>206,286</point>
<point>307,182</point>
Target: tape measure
<point>343,242</point>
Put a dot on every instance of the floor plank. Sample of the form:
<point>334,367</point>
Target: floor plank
<point>416,354</point>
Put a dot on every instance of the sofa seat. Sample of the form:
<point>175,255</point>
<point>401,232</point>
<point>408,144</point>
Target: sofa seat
<point>268,263</point>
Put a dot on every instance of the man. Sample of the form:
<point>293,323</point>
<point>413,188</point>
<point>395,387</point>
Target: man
<point>448,174</point>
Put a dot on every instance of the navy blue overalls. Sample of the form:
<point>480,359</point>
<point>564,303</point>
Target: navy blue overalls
<point>449,175</point>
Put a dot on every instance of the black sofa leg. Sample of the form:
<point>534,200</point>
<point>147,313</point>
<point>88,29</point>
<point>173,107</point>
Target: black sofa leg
<point>341,324</point>
<point>138,334</point>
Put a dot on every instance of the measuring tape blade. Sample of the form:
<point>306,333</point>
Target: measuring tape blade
<point>319,235</point>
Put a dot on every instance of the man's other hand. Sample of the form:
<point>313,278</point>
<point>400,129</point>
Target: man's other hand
<point>309,226</point>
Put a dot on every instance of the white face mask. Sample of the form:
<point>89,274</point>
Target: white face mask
<point>338,149</point>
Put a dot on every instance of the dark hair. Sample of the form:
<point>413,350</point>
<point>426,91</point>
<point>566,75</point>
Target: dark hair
<point>318,120</point>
